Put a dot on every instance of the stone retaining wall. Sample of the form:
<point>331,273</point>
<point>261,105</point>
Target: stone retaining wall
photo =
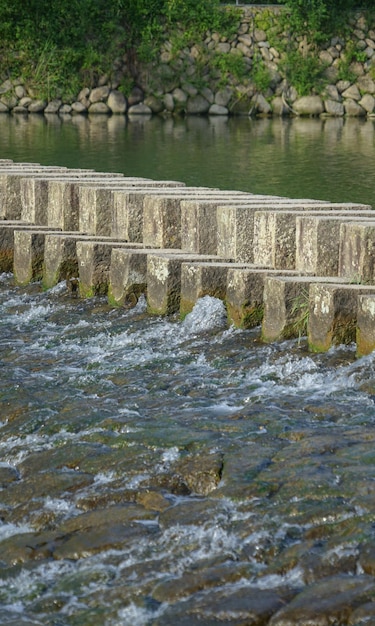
<point>192,79</point>
<point>123,237</point>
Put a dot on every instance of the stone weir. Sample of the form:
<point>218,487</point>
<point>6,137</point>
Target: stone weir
<point>294,267</point>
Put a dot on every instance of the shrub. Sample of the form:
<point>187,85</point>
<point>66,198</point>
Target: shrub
<point>321,17</point>
<point>305,73</point>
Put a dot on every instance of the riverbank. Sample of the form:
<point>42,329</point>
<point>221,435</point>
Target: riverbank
<point>261,70</point>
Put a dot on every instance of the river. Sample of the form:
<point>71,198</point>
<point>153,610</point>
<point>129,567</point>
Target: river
<point>155,472</point>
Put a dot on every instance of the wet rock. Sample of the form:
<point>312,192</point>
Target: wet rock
<point>189,620</point>
<point>15,618</point>
<point>152,501</point>
<point>25,547</point>
<point>91,457</point>
<point>363,616</point>
<point>244,606</point>
<point>201,474</point>
<point>330,601</point>
<point>173,483</point>
<point>65,456</point>
<point>289,558</point>
<point>192,512</point>
<point>37,513</point>
<point>367,558</point>
<point>103,517</point>
<point>95,540</point>
<point>317,564</point>
<point>191,582</point>
<point>8,475</point>
<point>114,494</point>
<point>241,468</point>
<point>111,528</point>
<point>52,484</point>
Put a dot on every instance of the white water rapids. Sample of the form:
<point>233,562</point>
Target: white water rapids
<point>147,393</point>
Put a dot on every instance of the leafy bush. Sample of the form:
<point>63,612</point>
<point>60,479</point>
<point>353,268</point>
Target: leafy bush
<point>228,65</point>
<point>260,74</point>
<point>91,33</point>
<point>305,73</point>
<point>321,17</point>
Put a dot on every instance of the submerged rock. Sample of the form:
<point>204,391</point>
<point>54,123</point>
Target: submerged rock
<point>244,606</point>
<point>330,601</point>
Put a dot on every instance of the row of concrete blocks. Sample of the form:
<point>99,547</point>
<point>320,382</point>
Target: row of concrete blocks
<point>271,231</point>
<point>328,309</point>
<point>287,297</point>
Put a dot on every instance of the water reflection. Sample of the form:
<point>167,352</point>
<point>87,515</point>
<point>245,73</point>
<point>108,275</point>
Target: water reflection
<point>332,158</point>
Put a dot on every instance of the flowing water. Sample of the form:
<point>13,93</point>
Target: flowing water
<point>158,472</point>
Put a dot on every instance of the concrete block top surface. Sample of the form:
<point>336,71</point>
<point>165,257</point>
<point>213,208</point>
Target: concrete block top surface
<point>308,279</point>
<point>310,205</point>
<point>38,176</point>
<point>180,254</point>
<point>172,191</point>
<point>336,284</point>
<point>322,215</point>
<point>365,223</point>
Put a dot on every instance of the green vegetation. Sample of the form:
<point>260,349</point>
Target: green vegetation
<point>322,17</point>
<point>351,55</point>
<point>55,47</point>
<point>228,65</point>
<point>318,17</point>
<point>304,72</point>
<point>300,311</point>
<point>260,74</point>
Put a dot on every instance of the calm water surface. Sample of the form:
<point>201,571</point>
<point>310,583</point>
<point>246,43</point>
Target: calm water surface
<point>158,472</point>
<point>330,159</point>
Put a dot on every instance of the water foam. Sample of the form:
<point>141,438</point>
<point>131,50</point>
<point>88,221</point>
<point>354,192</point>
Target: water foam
<point>9,530</point>
<point>208,314</point>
